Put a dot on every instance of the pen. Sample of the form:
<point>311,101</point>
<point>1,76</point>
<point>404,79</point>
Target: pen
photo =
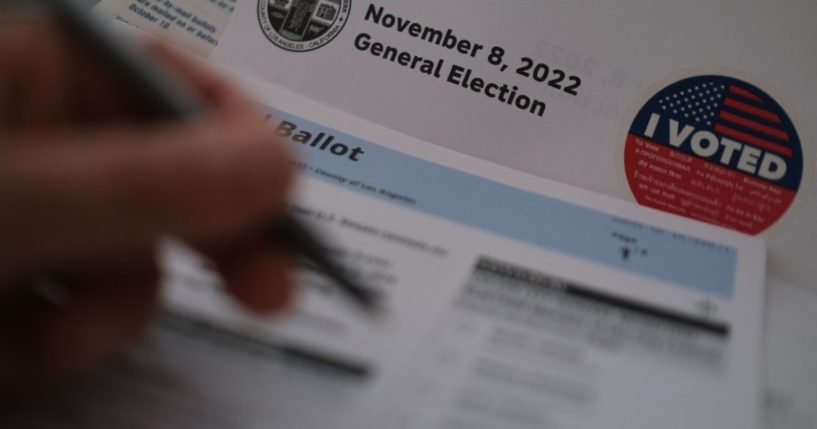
<point>168,96</point>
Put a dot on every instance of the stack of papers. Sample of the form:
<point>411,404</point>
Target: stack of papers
<point>431,138</point>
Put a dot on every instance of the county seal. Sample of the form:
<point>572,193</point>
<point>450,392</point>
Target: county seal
<point>302,25</point>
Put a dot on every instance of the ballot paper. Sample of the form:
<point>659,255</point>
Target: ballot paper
<point>511,301</point>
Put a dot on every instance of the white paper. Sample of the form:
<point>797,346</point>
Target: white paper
<point>483,329</point>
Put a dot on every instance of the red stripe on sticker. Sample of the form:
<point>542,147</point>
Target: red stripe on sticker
<point>744,93</point>
<point>757,126</point>
<point>760,113</point>
<point>748,138</point>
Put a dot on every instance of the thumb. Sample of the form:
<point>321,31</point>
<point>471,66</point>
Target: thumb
<point>113,192</point>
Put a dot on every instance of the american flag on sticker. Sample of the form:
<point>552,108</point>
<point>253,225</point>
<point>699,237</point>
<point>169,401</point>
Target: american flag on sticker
<point>736,112</point>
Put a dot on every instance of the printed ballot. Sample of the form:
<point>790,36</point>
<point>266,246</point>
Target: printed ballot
<point>511,301</point>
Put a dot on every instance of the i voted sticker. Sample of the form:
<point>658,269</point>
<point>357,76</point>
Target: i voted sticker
<point>716,149</point>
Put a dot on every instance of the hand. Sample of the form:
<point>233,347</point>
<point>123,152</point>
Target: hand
<point>87,187</point>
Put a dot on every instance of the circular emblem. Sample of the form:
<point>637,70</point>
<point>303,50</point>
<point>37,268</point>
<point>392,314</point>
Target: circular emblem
<point>716,149</point>
<point>302,25</point>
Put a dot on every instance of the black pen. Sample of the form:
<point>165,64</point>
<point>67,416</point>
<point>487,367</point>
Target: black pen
<point>168,96</point>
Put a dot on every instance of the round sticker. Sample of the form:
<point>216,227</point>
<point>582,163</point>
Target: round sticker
<point>716,149</point>
<point>302,25</point>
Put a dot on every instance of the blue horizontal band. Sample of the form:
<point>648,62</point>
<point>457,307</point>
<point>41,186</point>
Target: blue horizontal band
<point>525,216</point>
